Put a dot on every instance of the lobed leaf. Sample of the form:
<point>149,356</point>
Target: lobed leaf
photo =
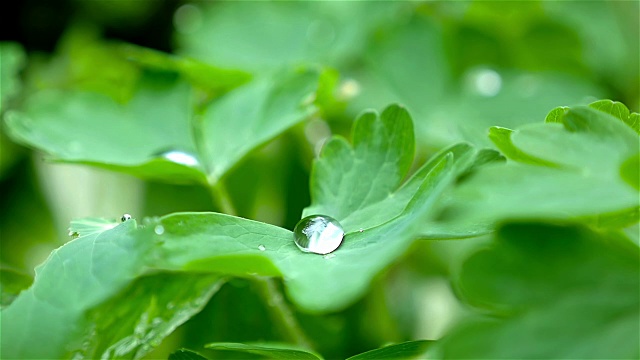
<point>567,169</point>
<point>554,292</point>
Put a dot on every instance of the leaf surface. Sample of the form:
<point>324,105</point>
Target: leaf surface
<point>407,350</point>
<point>158,133</point>
<point>568,169</point>
<point>556,292</point>
<point>268,352</point>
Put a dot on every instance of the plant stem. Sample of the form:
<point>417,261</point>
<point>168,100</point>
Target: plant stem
<point>278,307</point>
<point>281,313</point>
<point>221,199</point>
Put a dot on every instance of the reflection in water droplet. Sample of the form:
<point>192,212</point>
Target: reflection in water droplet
<point>318,234</point>
<point>180,157</point>
<point>484,82</point>
<point>125,217</point>
<point>261,248</point>
<point>159,229</point>
<point>187,19</point>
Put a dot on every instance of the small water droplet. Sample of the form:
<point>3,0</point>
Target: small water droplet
<point>261,248</point>
<point>484,82</point>
<point>318,234</point>
<point>170,305</point>
<point>125,217</point>
<point>74,234</point>
<point>361,230</point>
<point>159,229</point>
<point>180,157</point>
<point>329,256</point>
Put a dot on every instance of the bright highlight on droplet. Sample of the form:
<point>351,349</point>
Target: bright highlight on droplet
<point>125,217</point>
<point>159,229</point>
<point>261,248</point>
<point>180,157</point>
<point>484,82</point>
<point>318,234</point>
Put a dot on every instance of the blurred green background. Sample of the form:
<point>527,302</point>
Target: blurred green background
<point>459,67</point>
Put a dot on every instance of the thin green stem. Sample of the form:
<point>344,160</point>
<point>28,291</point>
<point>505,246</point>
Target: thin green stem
<point>221,199</point>
<point>281,313</point>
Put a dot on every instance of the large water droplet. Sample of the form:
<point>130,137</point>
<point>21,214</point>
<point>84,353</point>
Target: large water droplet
<point>318,234</point>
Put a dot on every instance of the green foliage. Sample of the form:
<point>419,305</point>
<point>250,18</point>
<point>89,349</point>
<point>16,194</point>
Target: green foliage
<point>567,168</point>
<point>586,311</point>
<point>248,117</point>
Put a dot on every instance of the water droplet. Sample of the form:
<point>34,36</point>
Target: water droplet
<point>125,217</point>
<point>74,234</point>
<point>261,248</point>
<point>484,82</point>
<point>180,157</point>
<point>329,256</point>
<point>159,229</point>
<point>318,234</point>
<point>361,230</point>
<point>170,305</point>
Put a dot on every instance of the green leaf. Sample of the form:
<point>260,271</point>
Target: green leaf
<point>268,351</point>
<point>382,151</point>
<point>185,354</point>
<point>618,110</point>
<point>74,279</point>
<point>84,280</point>
<point>12,282</point>
<point>406,350</point>
<point>282,34</point>
<point>501,137</point>
<point>136,320</point>
<point>586,151</point>
<point>154,135</point>
<point>88,226</point>
<point>212,79</point>
<point>555,292</point>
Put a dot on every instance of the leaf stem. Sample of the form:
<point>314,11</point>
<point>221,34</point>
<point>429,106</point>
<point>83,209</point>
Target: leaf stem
<point>221,198</point>
<point>281,313</point>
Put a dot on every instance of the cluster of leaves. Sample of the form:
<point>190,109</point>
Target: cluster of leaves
<point>556,201</point>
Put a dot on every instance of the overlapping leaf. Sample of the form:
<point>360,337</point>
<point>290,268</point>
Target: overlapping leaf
<point>93,269</point>
<point>567,168</point>
<point>557,292</point>
<point>403,351</point>
<point>159,133</point>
